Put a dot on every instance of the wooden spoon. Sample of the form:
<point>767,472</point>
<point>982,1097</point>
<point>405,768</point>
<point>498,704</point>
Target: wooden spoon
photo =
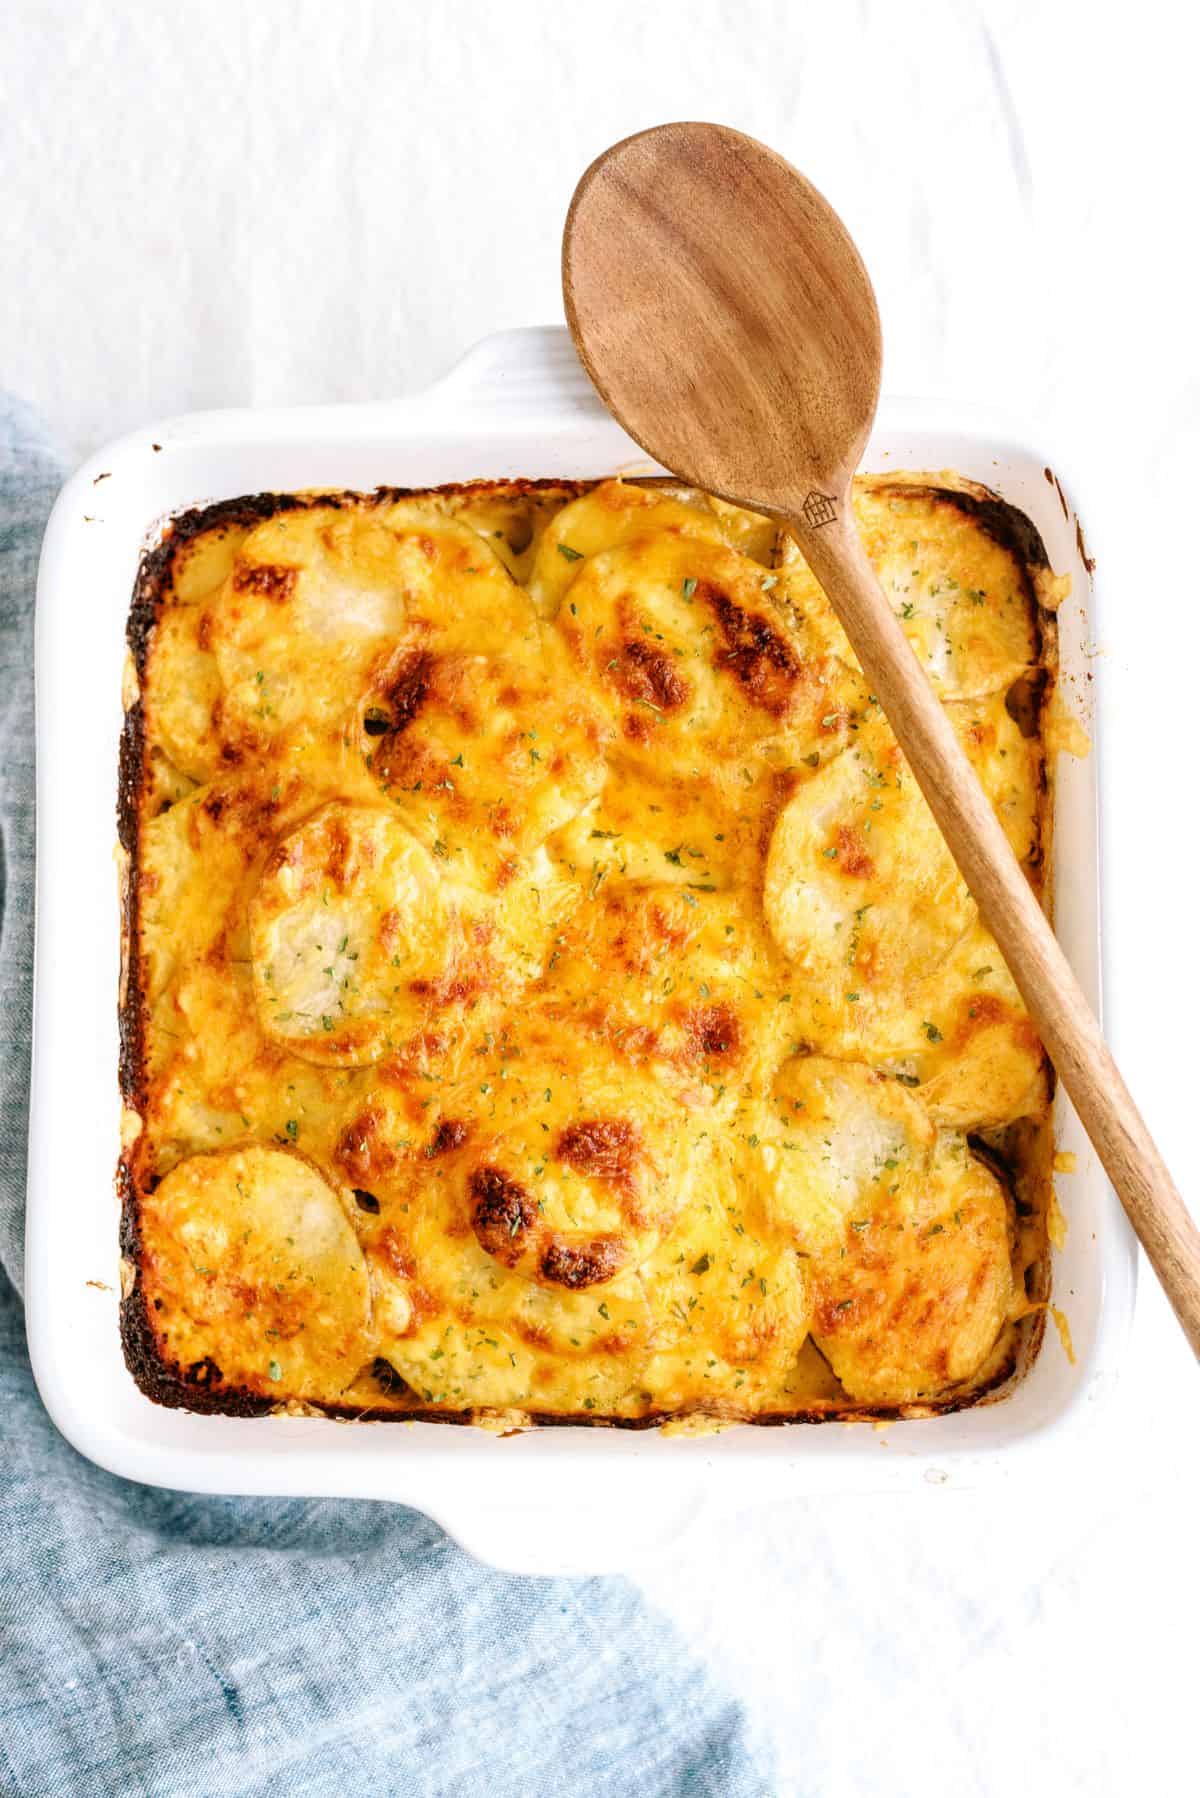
<point>726,319</point>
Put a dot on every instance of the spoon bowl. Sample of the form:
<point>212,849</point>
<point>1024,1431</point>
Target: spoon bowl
<point>768,390</point>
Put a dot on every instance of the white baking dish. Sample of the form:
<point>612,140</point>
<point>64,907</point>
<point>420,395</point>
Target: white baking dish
<point>573,1500</point>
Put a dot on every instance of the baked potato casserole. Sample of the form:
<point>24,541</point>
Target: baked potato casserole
<point>546,995</point>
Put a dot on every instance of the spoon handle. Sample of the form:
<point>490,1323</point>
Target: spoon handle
<point>1010,909</point>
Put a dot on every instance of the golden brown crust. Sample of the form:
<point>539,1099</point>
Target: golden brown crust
<point>553,1141</point>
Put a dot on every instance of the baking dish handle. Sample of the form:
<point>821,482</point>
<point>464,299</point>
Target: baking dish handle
<point>586,1540</point>
<point>512,375</point>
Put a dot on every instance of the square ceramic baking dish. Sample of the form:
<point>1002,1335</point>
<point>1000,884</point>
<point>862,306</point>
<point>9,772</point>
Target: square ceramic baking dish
<point>551,1500</point>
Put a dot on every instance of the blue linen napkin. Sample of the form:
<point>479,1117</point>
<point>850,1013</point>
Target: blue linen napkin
<point>157,1643</point>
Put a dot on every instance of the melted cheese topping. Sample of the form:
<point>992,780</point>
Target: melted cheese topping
<point>556,997</point>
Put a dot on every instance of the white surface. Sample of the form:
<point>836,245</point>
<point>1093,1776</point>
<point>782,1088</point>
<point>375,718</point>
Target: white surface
<point>518,400</point>
<point>224,203</point>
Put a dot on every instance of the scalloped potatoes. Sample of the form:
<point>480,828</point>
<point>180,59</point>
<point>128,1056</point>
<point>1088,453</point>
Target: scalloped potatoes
<point>550,993</point>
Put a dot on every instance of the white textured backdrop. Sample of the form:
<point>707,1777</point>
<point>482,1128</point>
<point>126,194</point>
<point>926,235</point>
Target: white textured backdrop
<point>220,203</point>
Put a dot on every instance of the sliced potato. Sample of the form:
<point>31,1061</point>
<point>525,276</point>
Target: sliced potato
<point>960,596</point>
<point>572,1166</point>
<point>834,1142</point>
<point>356,944</point>
<point>202,565</point>
<point>254,1277</point>
<point>218,1076</point>
<point>561,1165</point>
<point>505,1340</point>
<point>684,645</point>
<point>917,1300</point>
<point>674,979</point>
<point>893,964</point>
<point>183,691</point>
<point>511,521</point>
<point>609,515</point>
<point>311,600</point>
<point>508,1220</point>
<point>318,598</point>
<point>731,1309</point>
<point>970,1043</point>
<point>197,864</point>
<point>905,1233</point>
<point>702,831</point>
<point>483,757</point>
<point>860,892</point>
<point>1009,765</point>
<point>459,596</point>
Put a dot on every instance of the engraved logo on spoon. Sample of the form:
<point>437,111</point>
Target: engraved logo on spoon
<point>819,509</point>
